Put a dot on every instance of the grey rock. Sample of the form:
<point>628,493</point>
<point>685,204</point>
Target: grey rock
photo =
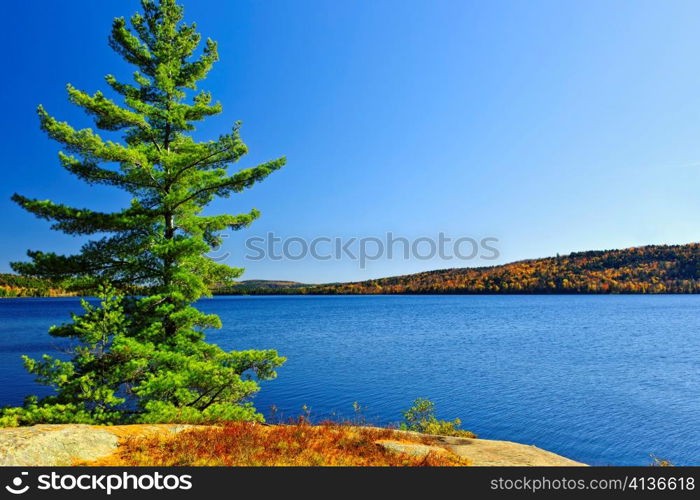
<point>54,444</point>
<point>413,449</point>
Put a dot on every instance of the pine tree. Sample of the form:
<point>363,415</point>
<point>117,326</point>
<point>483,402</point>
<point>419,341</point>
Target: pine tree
<point>153,363</point>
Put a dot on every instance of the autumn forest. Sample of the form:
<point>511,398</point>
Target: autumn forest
<point>648,269</point>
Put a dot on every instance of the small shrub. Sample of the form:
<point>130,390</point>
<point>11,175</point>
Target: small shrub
<point>660,462</point>
<point>421,418</point>
<point>359,411</point>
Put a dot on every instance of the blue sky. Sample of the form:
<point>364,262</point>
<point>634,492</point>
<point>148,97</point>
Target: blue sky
<point>553,126</point>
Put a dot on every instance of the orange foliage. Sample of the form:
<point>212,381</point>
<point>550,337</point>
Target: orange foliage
<point>649,269</point>
<point>251,444</point>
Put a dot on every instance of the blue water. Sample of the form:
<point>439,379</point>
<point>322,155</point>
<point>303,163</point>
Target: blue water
<point>600,379</point>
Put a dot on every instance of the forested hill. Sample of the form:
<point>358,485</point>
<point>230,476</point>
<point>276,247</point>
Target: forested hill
<point>12,285</point>
<point>649,269</point>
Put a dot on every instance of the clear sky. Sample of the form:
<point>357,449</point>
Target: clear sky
<point>554,126</point>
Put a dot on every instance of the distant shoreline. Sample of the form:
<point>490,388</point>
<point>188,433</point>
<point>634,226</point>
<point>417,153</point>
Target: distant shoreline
<point>652,269</point>
<point>647,270</point>
<point>412,294</point>
<point>433,293</point>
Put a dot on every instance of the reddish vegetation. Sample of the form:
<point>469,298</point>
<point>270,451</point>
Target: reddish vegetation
<point>649,269</point>
<point>298,444</point>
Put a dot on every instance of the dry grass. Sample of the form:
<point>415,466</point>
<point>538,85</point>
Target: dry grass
<point>297,444</point>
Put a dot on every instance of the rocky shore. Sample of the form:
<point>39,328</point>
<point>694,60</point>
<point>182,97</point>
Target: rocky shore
<point>56,445</point>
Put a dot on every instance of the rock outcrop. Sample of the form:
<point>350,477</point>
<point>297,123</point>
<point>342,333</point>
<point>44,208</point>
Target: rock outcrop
<point>55,445</point>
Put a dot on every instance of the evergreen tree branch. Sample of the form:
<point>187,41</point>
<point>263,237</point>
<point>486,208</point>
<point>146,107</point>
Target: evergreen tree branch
<point>92,174</point>
<point>124,43</point>
<point>237,182</point>
<point>84,221</point>
<point>89,144</point>
<point>108,115</point>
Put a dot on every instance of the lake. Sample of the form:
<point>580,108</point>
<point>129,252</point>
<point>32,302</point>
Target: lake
<point>599,379</point>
